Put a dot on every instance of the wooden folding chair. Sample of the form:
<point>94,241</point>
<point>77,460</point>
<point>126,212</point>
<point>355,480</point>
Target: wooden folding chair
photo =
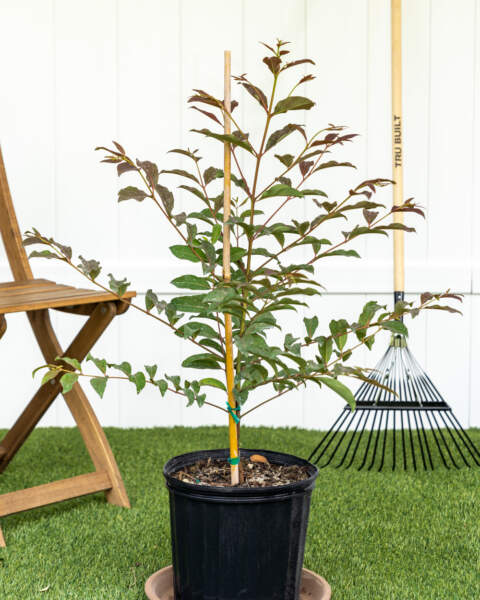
<point>36,297</point>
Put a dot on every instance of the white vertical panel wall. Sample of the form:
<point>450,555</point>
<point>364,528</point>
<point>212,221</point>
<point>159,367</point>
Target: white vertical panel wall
<point>77,75</point>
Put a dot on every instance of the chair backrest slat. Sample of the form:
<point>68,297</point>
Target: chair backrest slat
<point>12,239</point>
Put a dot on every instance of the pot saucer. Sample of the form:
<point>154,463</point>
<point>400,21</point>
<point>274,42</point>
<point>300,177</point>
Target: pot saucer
<point>159,586</point>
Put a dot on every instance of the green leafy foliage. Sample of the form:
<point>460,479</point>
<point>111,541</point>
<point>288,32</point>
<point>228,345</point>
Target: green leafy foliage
<point>99,384</point>
<point>265,281</point>
<point>67,381</point>
<point>118,286</point>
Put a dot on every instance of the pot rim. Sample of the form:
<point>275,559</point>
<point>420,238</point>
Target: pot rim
<point>176,462</point>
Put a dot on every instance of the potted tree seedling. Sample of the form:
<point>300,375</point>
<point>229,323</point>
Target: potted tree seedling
<point>239,517</point>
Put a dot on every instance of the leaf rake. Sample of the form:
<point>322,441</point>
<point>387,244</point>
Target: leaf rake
<point>412,424</point>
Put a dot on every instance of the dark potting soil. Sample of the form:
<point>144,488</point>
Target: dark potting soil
<point>256,473</point>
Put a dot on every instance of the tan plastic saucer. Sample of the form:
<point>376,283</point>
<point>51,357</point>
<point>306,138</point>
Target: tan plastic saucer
<point>159,586</point>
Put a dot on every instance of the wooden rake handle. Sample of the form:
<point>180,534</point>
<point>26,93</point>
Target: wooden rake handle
<point>397,145</point>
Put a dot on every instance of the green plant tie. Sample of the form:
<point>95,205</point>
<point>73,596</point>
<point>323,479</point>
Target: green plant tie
<point>231,412</point>
<point>234,461</point>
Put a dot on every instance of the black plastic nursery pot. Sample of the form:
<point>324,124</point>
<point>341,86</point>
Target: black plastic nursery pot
<point>238,543</point>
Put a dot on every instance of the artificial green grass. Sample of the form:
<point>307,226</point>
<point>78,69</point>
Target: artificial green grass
<point>387,536</point>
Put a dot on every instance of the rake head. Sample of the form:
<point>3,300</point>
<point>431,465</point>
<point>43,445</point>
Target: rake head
<point>411,427</point>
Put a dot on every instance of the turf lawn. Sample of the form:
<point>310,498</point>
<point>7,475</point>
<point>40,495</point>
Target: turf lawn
<point>373,536</point>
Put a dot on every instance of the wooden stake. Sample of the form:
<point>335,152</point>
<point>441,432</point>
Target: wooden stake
<point>397,145</point>
<point>232,426</point>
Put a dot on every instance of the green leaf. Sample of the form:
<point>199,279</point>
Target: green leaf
<point>151,301</point>
<point>342,253</point>
<point>182,173</point>
<point>101,364</point>
<point>280,134</point>
<point>285,159</point>
<point>131,193</point>
<point>189,303</point>
<point>185,153</point>
<point>368,312</point>
<point>235,254</point>
<point>91,268</point>
<point>209,251</point>
<point>399,226</point>
<point>139,380</point>
<point>280,189</point>
<point>166,197</point>
<point>99,384</point>
<point>325,347</point>
<point>184,253</point>
<point>162,386</point>
<point>123,367</point>
<point>395,327</point>
<point>341,389</point>
<point>211,344</point>
<point>229,138</point>
<point>151,370</point>
<point>339,332</point>
<point>73,362</point>
<point>216,232</point>
<point>256,93</point>
<point>43,254</point>
<point>334,163</point>
<point>311,325</point>
<point>191,282</point>
<point>48,375</point>
<point>67,381</point>
<point>314,193</point>
<point>193,328</point>
<point>195,191</point>
<point>212,173</point>
<point>293,103</point>
<point>210,381</point>
<point>201,361</point>
<point>255,344</point>
<point>118,286</point>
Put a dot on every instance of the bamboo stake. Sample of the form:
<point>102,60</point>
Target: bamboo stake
<point>232,426</point>
<point>397,145</point>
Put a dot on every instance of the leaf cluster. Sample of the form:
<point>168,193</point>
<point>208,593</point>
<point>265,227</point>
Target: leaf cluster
<point>264,280</point>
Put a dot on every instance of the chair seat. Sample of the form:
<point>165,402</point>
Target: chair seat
<point>37,294</point>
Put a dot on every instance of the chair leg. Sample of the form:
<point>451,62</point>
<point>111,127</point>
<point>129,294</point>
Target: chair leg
<point>2,540</point>
<point>99,320</point>
<point>3,325</point>
<point>90,429</point>
<point>97,444</point>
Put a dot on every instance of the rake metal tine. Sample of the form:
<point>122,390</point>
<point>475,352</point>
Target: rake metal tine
<point>360,435</point>
<point>354,415</point>
<point>454,440</point>
<point>369,440</point>
<point>445,442</point>
<point>403,443</point>
<point>364,414</point>
<point>432,429</point>
<point>384,442</point>
<point>411,442</point>
<point>377,437</point>
<point>460,430</point>
<point>426,441</point>
<point>411,391</point>
<point>325,437</point>
<point>420,441</point>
